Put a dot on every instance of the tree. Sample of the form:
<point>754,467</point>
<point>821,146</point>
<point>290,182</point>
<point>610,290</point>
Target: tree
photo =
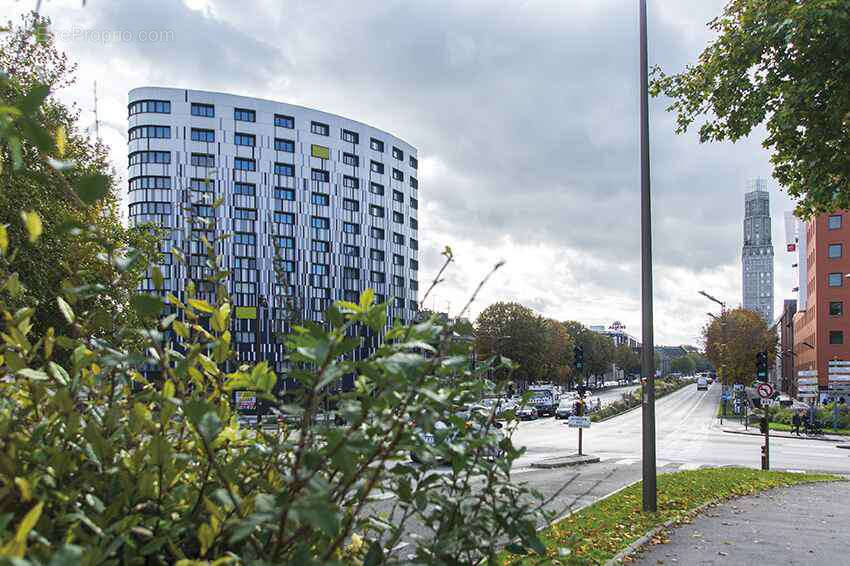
<point>732,342</point>
<point>627,359</point>
<point>513,331</point>
<point>783,63</point>
<point>558,352</point>
<point>62,196</point>
<point>598,349</point>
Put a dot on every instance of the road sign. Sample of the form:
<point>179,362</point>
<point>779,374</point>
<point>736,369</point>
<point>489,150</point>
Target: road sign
<point>726,395</point>
<point>739,387</point>
<point>807,373</point>
<point>578,422</point>
<point>764,390</point>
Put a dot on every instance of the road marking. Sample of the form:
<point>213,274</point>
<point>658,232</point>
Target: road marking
<point>690,466</point>
<point>796,471</point>
<point>626,462</point>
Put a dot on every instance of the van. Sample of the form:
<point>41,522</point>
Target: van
<point>702,383</point>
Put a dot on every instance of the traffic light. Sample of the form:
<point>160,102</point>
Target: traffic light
<point>761,366</point>
<point>578,357</point>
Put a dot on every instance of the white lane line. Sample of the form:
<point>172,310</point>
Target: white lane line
<point>796,471</point>
<point>626,462</point>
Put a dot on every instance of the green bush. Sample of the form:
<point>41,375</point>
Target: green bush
<point>100,464</point>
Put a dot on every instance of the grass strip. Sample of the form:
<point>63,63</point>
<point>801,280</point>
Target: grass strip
<point>598,532</point>
<point>788,428</point>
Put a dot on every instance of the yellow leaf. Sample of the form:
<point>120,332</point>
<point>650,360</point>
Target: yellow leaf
<point>205,537</point>
<point>168,389</point>
<point>4,239</point>
<point>61,140</point>
<point>26,526</point>
<point>201,305</point>
<point>32,221</point>
<point>24,486</point>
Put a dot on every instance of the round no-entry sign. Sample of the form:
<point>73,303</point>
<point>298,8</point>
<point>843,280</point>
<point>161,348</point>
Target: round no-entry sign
<point>764,390</point>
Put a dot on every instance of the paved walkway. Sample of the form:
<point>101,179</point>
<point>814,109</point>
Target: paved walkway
<point>805,524</point>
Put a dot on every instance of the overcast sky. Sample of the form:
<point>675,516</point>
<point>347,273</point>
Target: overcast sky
<point>525,116</point>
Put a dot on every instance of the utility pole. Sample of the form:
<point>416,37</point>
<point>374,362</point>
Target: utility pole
<point>650,501</point>
<point>96,120</point>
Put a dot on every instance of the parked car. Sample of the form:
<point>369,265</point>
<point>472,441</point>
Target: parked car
<point>565,408</point>
<point>527,413</point>
<point>473,419</point>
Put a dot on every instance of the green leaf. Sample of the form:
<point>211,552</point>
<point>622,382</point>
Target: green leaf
<point>4,239</point>
<point>34,98</point>
<point>33,374</point>
<point>58,373</point>
<point>201,305</point>
<point>158,279</point>
<point>32,222</point>
<point>147,305</point>
<point>66,310</point>
<point>375,555</point>
<point>204,418</point>
<point>68,555</point>
<point>92,188</point>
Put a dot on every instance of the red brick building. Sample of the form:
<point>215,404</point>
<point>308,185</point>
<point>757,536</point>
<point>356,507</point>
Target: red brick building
<point>821,330</point>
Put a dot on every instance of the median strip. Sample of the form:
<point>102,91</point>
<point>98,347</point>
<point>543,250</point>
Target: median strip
<point>601,531</point>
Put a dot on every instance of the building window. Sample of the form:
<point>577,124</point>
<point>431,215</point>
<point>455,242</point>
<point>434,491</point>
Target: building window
<point>319,269</point>
<point>377,255</point>
<point>244,164</point>
<point>351,159</point>
<point>281,144</point>
<point>376,188</point>
<point>284,217</point>
<point>321,199</point>
<point>836,337</point>
<point>349,204</point>
<point>202,135</point>
<point>414,244</point>
<point>138,208</point>
<point>414,265</point>
<point>320,175</point>
<point>398,196</point>
<point>320,129</point>
<point>398,259</point>
<point>203,210</point>
<point>377,277</point>
<point>244,214</point>
<point>414,163</point>
<point>245,139</point>
<point>245,189</point>
<point>414,224</point>
<point>203,185</point>
<point>322,246</point>
<point>350,228</point>
<point>376,211</point>
<point>376,167</point>
<point>203,159</point>
<point>398,280</point>
<point>835,279</point>
<point>350,273</point>
<point>286,265</point>
<point>139,132</point>
<point>138,157</point>
<point>398,175</point>
<point>284,121</point>
<point>836,308</point>
<point>398,238</point>
<point>376,145</point>
<point>414,285</point>
<point>350,182</point>
<point>284,193</point>
<point>284,169</point>
<point>349,136</point>
<point>320,222</point>
<point>414,204</point>
<point>377,233</point>
<point>154,106</point>
<point>398,217</point>
<point>398,154</point>
<point>244,238</point>
<point>352,251</point>
<point>244,115</point>
<point>399,302</point>
<point>834,221</point>
<point>283,242</point>
<point>149,182</point>
<point>205,110</point>
<point>414,184</point>
<point>835,251</point>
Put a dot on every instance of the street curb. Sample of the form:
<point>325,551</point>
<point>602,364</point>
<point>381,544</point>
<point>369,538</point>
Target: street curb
<point>562,462</point>
<point>844,446</point>
<point>636,545</point>
<point>781,436</point>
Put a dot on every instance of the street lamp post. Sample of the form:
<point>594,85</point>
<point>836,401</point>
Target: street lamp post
<point>650,501</point>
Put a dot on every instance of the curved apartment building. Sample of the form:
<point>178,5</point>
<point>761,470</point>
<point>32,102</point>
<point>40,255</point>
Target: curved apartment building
<point>334,200</point>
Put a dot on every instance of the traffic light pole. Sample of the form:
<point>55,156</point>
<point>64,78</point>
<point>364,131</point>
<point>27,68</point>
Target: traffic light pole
<point>580,414</point>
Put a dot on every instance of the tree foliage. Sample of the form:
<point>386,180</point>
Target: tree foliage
<point>732,342</point>
<point>782,63</point>
<point>101,465</point>
<point>514,331</point>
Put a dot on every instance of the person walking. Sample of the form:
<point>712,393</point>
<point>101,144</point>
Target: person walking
<point>796,420</point>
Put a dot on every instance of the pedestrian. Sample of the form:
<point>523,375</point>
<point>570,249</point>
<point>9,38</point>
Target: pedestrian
<point>598,403</point>
<point>797,420</point>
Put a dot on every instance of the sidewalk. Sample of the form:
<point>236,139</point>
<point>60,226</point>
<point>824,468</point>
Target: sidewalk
<point>735,427</point>
<point>803,524</point>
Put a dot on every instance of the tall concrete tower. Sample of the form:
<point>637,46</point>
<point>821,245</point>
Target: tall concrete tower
<point>757,256</point>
